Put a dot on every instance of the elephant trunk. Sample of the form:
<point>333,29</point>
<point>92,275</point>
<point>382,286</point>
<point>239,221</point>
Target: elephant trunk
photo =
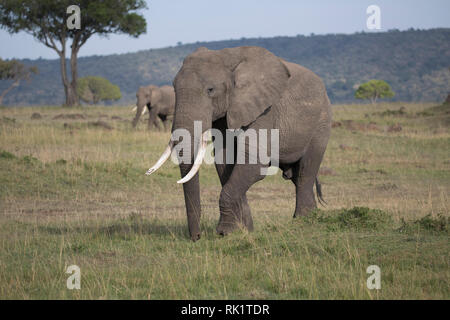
<point>139,112</point>
<point>191,188</point>
<point>191,191</point>
<point>140,108</point>
<point>189,118</point>
<point>201,150</point>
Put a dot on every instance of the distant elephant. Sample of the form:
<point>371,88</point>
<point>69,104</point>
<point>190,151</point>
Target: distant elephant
<point>243,88</point>
<point>160,102</point>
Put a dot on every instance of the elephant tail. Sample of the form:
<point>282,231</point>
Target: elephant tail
<point>319,193</point>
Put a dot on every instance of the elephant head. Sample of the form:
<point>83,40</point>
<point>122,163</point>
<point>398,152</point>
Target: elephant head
<point>238,83</point>
<point>146,98</point>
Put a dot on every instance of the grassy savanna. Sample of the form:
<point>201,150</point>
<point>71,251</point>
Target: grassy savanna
<point>73,192</point>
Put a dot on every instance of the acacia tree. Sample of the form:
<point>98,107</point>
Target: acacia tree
<point>373,90</point>
<point>15,71</point>
<point>94,89</point>
<point>46,21</point>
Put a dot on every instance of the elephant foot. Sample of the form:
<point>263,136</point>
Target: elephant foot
<point>234,214</point>
<point>303,212</point>
<point>224,229</point>
<point>196,236</point>
<point>227,226</point>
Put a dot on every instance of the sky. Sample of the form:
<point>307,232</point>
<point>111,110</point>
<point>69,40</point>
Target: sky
<point>173,21</point>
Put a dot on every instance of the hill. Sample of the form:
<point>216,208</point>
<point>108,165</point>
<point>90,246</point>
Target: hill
<point>415,63</point>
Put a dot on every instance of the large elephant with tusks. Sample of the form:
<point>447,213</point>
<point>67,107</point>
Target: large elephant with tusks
<point>249,88</point>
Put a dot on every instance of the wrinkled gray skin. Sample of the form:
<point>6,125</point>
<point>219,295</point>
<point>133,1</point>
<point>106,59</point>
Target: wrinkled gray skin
<point>249,87</point>
<point>160,102</point>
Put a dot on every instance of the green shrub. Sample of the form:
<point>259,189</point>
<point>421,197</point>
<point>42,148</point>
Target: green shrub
<point>357,218</point>
<point>428,223</point>
<point>425,113</point>
<point>7,155</point>
<point>29,159</point>
<point>389,113</point>
<point>96,89</point>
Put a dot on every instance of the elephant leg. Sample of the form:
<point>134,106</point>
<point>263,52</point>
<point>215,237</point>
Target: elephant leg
<point>135,121</point>
<point>234,209</point>
<point>164,120</point>
<point>166,125</point>
<point>158,124</point>
<point>224,172</point>
<point>304,174</point>
<point>153,119</point>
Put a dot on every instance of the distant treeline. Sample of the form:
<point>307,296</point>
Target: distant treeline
<point>415,63</point>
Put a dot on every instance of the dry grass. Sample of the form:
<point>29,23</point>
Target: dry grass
<point>73,193</point>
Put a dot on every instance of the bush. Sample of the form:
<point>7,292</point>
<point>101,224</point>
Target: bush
<point>357,218</point>
<point>7,155</point>
<point>96,89</point>
<point>428,223</point>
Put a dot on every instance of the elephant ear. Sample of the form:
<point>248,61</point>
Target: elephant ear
<point>155,95</point>
<point>259,80</point>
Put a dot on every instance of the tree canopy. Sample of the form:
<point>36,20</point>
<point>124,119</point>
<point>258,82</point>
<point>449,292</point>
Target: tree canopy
<point>46,21</point>
<point>15,71</point>
<point>373,90</point>
<point>95,89</point>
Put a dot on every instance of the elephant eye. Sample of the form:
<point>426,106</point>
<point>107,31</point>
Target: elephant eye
<point>210,91</point>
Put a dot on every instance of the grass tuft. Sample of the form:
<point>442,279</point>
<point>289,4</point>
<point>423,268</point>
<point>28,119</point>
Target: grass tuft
<point>357,218</point>
<point>7,155</point>
<point>439,224</point>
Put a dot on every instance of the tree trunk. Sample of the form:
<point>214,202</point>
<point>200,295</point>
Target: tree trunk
<point>65,80</point>
<point>70,87</point>
<point>74,69</point>
<point>71,97</point>
<point>13,85</point>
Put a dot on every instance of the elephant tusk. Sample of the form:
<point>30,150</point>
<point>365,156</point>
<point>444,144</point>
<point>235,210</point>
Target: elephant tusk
<point>160,162</point>
<point>134,109</point>
<point>198,159</point>
<point>144,111</point>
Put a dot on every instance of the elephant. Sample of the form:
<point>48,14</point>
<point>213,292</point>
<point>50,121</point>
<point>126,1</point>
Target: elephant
<point>245,88</point>
<point>160,102</point>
